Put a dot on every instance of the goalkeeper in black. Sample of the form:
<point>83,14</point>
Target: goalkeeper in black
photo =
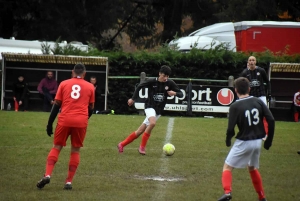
<point>159,89</point>
<point>247,113</point>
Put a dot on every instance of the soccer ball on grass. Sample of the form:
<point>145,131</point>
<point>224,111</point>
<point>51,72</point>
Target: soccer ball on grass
<point>168,149</point>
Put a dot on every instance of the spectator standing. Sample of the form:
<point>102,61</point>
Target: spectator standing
<point>296,108</point>
<point>48,88</point>
<point>97,108</point>
<point>20,93</point>
<point>296,105</point>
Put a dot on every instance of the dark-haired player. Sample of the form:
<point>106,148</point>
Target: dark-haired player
<point>247,113</point>
<point>257,76</point>
<point>74,97</point>
<point>158,90</point>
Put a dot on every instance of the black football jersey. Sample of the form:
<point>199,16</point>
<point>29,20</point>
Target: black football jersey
<point>248,113</point>
<point>157,93</point>
<point>257,78</point>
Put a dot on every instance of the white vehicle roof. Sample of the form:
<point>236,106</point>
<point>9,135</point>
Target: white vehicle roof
<point>222,33</point>
<point>248,24</point>
<point>214,29</point>
<point>32,47</point>
<point>208,37</point>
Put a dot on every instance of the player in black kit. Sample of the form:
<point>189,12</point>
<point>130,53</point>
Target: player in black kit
<point>247,113</point>
<point>158,90</point>
<point>257,76</point>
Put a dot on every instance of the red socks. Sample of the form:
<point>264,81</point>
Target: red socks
<point>129,139</point>
<point>257,183</point>
<point>73,164</point>
<point>145,139</point>
<point>51,160</point>
<point>133,136</point>
<point>226,181</point>
<point>296,116</point>
<point>256,180</point>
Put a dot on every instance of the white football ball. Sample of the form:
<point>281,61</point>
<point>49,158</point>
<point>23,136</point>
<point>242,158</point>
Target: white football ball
<point>168,149</point>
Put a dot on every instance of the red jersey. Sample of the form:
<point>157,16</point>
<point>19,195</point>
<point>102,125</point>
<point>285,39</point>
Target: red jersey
<point>75,94</point>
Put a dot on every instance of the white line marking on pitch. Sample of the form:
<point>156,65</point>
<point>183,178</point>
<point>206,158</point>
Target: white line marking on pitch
<point>158,178</point>
<point>160,188</point>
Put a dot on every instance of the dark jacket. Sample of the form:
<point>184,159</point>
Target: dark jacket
<point>97,91</point>
<point>20,89</point>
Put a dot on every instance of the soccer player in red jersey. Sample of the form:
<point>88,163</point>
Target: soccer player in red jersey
<point>75,97</point>
<point>247,113</point>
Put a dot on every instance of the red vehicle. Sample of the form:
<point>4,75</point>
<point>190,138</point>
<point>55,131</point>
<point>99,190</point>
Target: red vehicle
<point>255,36</point>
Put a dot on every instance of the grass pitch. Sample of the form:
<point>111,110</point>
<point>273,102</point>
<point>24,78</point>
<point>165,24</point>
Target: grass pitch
<point>192,173</point>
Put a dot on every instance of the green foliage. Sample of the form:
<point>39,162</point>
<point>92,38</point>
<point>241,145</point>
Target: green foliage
<point>104,174</point>
<point>216,63</point>
<point>46,49</point>
<point>67,50</point>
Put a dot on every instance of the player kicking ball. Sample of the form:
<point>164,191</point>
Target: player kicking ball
<point>158,90</point>
<point>247,113</point>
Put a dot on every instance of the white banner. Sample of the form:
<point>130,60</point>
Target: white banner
<point>195,108</point>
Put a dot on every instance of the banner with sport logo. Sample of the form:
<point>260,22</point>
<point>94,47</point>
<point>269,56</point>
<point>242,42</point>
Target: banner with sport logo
<point>204,98</point>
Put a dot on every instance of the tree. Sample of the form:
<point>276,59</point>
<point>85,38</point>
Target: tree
<point>101,22</point>
<point>241,10</point>
<point>77,20</point>
<point>7,21</point>
<point>291,7</point>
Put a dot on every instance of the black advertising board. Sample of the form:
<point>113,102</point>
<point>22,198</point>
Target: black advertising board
<point>205,98</point>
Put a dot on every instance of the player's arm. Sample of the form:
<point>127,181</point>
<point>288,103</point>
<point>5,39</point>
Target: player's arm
<point>91,102</point>
<point>271,126</point>
<point>91,109</point>
<point>243,73</point>
<point>231,124</point>
<point>175,90</point>
<point>140,86</point>
<point>266,80</point>
<point>54,111</point>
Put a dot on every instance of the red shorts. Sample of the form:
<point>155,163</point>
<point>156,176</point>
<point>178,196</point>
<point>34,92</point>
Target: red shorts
<point>62,133</point>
